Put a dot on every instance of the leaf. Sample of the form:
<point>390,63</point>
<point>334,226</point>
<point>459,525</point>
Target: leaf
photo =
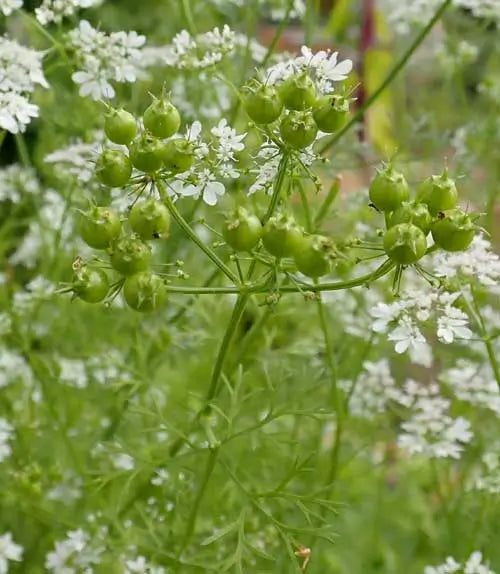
<point>221,533</point>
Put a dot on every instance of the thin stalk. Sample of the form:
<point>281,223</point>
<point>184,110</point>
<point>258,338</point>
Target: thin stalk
<point>277,35</point>
<point>400,64</point>
<point>184,225</point>
<point>22,150</point>
<point>475,313</point>
<point>328,201</point>
<point>187,14</point>
<point>191,523</point>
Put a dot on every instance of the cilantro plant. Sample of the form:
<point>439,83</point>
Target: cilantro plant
<point>237,336</point>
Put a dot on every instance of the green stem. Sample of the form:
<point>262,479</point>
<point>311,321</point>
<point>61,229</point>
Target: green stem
<point>3,133</point>
<point>335,393</point>
<point>192,235</point>
<point>400,64</point>
<point>366,279</point>
<point>475,313</point>
<point>305,206</point>
<point>187,14</point>
<point>328,201</point>
<point>191,523</point>
<point>213,388</point>
<point>277,35</point>
<point>22,150</point>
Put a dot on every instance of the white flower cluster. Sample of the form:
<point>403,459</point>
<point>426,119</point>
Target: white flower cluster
<point>15,181</point>
<point>140,565</point>
<point>430,431</point>
<point>206,109</point>
<point>7,7</point>
<point>20,73</point>
<point>103,58</point>
<point>103,369</point>
<point>486,476</point>
<point>474,384</point>
<point>474,565</point>
<point>404,15</point>
<point>9,550</point>
<point>489,9</point>
<point>53,219</point>
<point>76,160</point>
<point>276,9</point>
<point>215,160</point>
<point>477,263</point>
<point>26,299</point>
<point>13,366</point>
<point>268,160</point>
<point>75,553</point>
<point>56,10</point>
<point>400,320</point>
<point>188,52</point>
<point>454,58</point>
<point>6,433</point>
<point>323,67</point>
<point>373,389</point>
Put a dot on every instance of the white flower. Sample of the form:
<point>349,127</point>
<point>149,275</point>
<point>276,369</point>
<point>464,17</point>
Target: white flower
<point>20,73</point>
<point>450,566</point>
<point>8,6</point>
<point>486,475</point>
<point>406,335</point>
<point>56,10</point>
<point>9,550</point>
<point>123,461</point>
<point>373,389</point>
<point>6,432</point>
<point>323,66</point>
<point>74,554</point>
<point>474,565</point>
<point>13,366</point>
<point>137,566</point>
<point>196,53</point>
<point>17,180</point>
<point>453,324</point>
<point>477,263</point>
<point>206,187</point>
<point>161,475</point>
<point>229,141</point>
<point>73,372</point>
<point>430,431</point>
<point>104,58</point>
<point>384,314</point>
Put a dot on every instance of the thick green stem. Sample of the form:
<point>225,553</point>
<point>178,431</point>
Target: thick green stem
<point>366,279</point>
<point>338,404</point>
<point>400,64</point>
<point>192,235</point>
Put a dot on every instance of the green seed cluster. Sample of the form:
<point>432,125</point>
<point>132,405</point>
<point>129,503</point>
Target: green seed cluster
<point>126,239</point>
<point>148,151</point>
<point>126,242</point>
<point>433,209</point>
<point>283,238</point>
<point>307,112</point>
